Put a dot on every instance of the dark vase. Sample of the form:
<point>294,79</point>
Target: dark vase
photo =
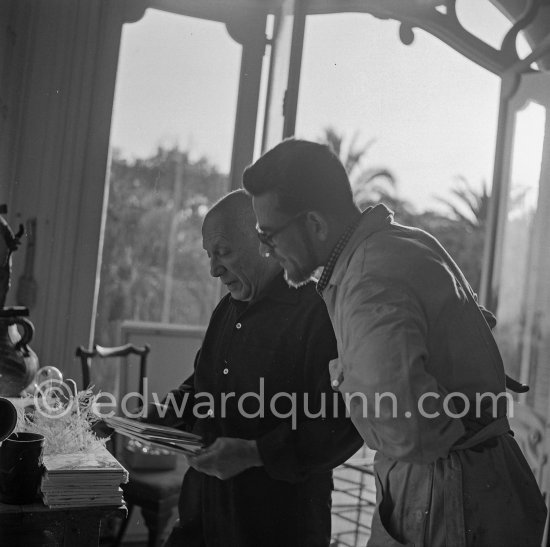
<point>18,363</point>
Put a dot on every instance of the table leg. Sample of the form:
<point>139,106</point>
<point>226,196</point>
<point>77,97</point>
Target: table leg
<point>82,531</point>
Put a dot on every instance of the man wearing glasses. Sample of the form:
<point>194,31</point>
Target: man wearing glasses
<point>418,364</point>
<point>274,426</point>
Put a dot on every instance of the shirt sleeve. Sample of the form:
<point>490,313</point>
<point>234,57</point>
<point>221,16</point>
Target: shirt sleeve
<point>396,404</point>
<point>323,436</point>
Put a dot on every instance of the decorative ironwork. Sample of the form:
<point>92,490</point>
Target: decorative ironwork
<point>439,18</point>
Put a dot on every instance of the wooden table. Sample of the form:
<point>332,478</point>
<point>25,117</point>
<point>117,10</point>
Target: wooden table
<point>35,525</point>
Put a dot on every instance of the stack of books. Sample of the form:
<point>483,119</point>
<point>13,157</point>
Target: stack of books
<point>156,435</point>
<point>82,480</point>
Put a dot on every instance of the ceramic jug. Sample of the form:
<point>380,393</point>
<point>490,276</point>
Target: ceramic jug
<point>18,363</point>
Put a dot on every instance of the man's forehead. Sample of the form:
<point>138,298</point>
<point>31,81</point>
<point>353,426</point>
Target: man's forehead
<point>211,242</point>
<point>221,230</point>
<point>216,229</point>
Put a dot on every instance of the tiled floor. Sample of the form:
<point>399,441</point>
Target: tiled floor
<point>353,501</point>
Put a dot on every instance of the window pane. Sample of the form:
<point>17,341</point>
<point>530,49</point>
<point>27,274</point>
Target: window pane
<point>523,306</point>
<point>171,142</point>
<point>415,125</point>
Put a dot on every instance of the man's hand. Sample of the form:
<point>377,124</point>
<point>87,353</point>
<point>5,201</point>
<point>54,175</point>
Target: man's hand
<point>226,457</point>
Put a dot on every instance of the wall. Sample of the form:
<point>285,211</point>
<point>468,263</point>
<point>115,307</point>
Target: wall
<point>16,24</point>
<point>64,94</point>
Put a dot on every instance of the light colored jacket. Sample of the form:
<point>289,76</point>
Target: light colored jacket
<point>425,386</point>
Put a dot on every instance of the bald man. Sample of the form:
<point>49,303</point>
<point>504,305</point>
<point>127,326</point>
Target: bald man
<point>261,397</point>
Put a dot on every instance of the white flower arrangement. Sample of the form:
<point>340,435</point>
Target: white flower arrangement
<point>65,421</point>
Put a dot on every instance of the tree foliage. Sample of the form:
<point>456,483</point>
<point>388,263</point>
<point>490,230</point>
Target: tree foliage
<point>154,267</point>
<point>461,231</point>
<point>156,207</point>
<point>368,182</point>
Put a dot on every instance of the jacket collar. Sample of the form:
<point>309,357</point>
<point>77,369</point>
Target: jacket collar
<point>373,219</point>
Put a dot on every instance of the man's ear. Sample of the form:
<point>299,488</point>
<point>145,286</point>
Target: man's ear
<point>317,224</point>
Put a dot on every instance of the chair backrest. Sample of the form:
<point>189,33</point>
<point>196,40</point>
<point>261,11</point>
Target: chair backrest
<point>86,357</point>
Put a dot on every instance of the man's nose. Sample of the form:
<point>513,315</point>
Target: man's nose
<point>216,269</point>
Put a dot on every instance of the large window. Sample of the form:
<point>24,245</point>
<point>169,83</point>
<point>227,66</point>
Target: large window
<point>415,125</point>
<point>171,142</point>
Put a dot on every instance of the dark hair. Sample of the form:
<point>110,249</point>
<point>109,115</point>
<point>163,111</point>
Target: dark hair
<point>304,175</point>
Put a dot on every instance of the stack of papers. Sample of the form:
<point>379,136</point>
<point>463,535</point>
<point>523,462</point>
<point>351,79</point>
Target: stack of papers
<point>158,435</point>
<point>82,480</point>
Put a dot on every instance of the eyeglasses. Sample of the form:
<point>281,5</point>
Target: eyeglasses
<point>267,238</point>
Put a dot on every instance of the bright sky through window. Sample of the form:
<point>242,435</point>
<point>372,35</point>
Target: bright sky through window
<point>431,112</point>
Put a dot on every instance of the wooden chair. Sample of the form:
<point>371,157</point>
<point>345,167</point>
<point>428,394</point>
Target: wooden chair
<point>155,492</point>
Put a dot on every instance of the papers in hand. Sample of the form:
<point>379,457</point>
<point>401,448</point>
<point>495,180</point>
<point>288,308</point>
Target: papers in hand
<point>159,435</point>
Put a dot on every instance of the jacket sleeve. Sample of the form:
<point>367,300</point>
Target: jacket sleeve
<point>395,403</point>
<point>323,436</point>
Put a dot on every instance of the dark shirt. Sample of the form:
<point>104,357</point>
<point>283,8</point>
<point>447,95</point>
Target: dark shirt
<point>285,339</point>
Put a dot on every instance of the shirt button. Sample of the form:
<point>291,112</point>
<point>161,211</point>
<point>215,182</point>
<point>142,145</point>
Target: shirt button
<point>210,413</point>
<point>238,325</point>
<point>225,370</point>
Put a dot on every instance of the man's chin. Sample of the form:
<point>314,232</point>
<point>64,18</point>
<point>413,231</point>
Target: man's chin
<point>238,293</point>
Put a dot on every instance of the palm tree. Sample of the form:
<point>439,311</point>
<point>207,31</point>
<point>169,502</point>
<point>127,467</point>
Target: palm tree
<point>369,184</point>
<point>462,229</point>
<point>470,206</point>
